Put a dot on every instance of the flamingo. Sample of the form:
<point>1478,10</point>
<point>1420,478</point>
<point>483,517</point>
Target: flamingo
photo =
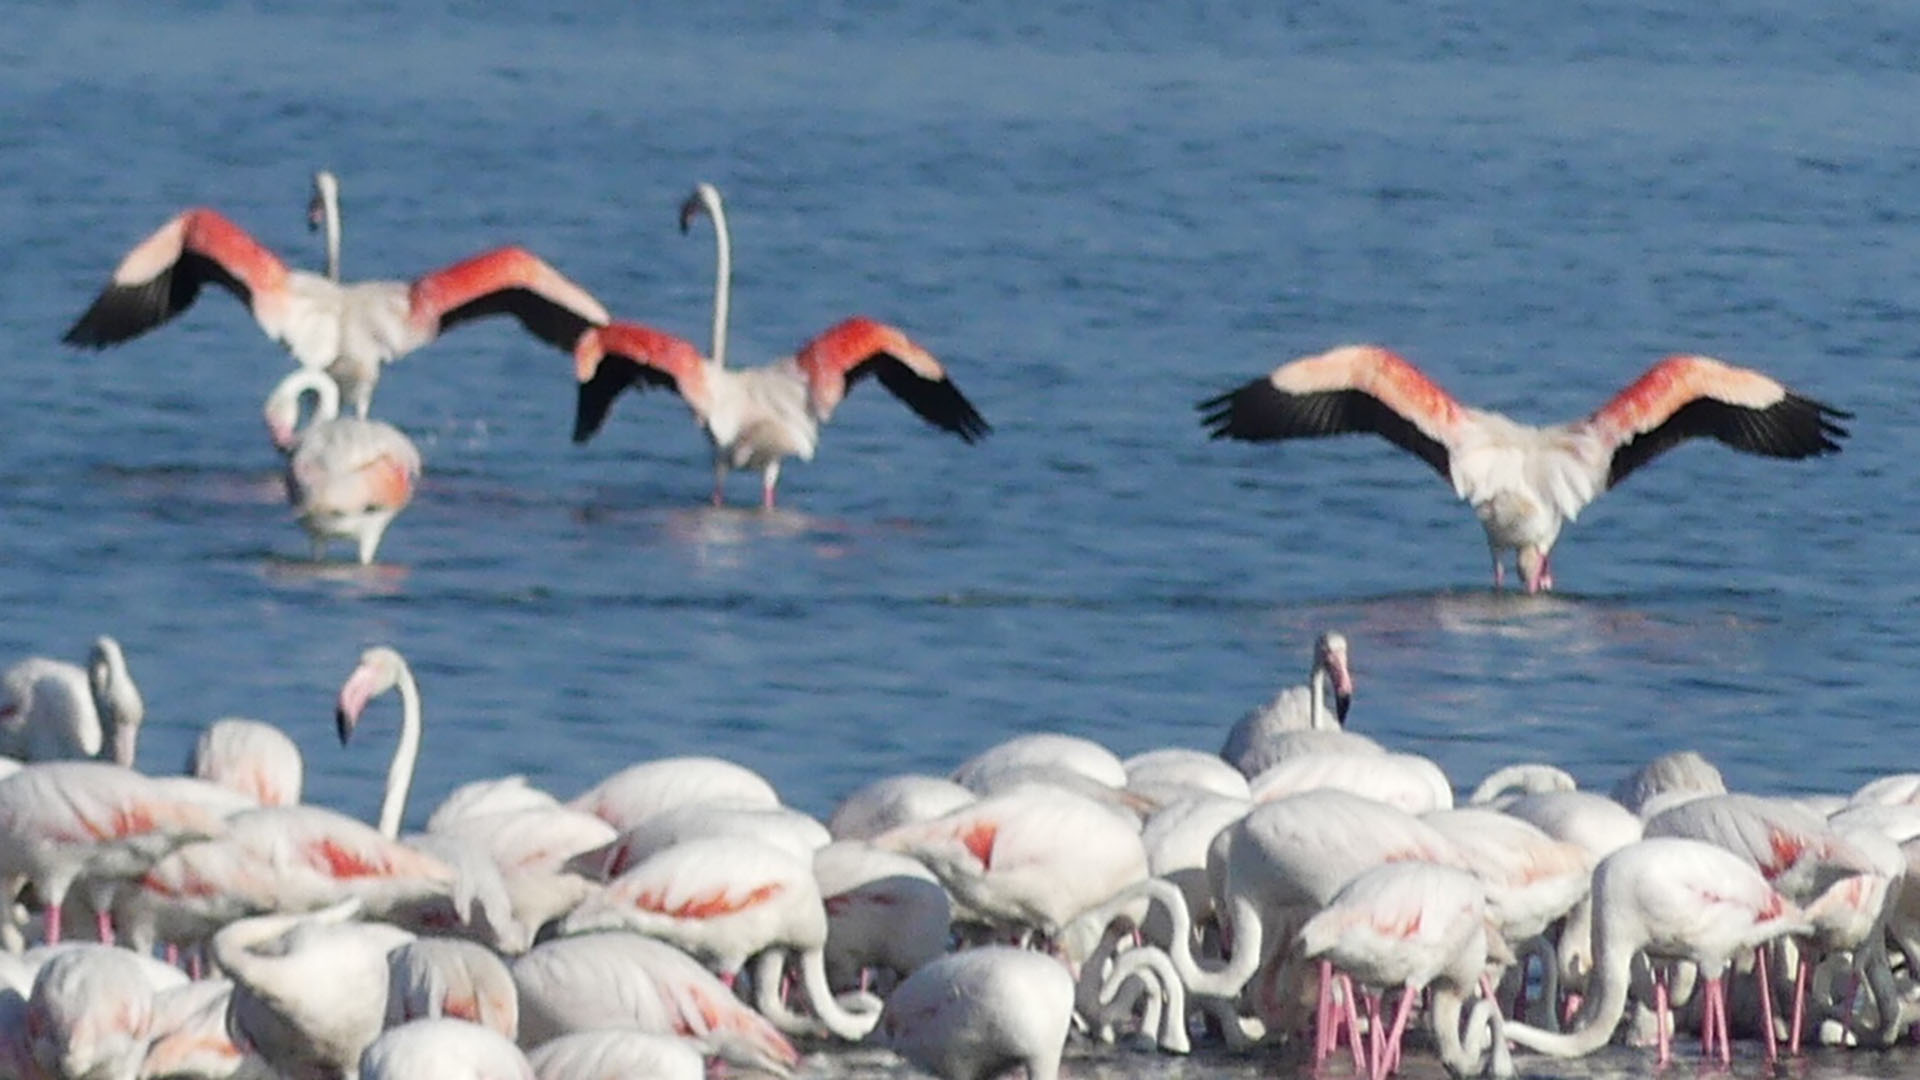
<point>728,899</point>
<point>1408,924</point>
<point>1525,483</point>
<point>758,417</point>
<point>1407,781</point>
<point>629,796</point>
<point>433,977</point>
<point>257,760</point>
<point>1172,773</point>
<point>190,1036</point>
<point>53,709</point>
<point>1668,780</point>
<point>310,990</point>
<point>895,800</point>
<point>970,1015</point>
<point>381,669</point>
<point>1041,750</point>
<point>349,331</point>
<point>91,1013</point>
<point>445,1049</point>
<point>1320,705</point>
<point>1677,899</point>
<point>616,979</point>
<point>604,1055</point>
<point>346,477</point>
<point>884,911</point>
<point>789,829</point>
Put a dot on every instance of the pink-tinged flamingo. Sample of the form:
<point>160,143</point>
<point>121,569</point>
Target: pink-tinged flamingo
<point>757,417</point>
<point>1410,925</point>
<point>886,912</point>
<point>348,331</point>
<point>1668,780</point>
<point>727,900</point>
<point>1525,483</point>
<point>780,826</point>
<point>63,818</point>
<point>445,1049</point>
<point>973,1014</point>
<point>606,1055</point>
<point>255,759</point>
<point>190,1036</point>
<point>892,801</point>
<point>91,1013</point>
<point>1674,899</point>
<point>434,977</point>
<point>618,979</point>
<point>381,669</point>
<point>347,478</point>
<point>1406,781</point>
<point>1319,705</point>
<point>54,710</point>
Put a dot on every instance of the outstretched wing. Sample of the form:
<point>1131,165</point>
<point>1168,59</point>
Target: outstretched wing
<point>162,275</point>
<point>1355,388</point>
<point>858,347</point>
<point>1686,397</point>
<point>510,281</point>
<point>610,358</point>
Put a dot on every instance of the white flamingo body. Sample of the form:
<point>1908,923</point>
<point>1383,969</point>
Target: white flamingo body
<point>257,760</point>
<point>617,979</point>
<point>616,1054</point>
<point>630,796</point>
<point>1531,879</point>
<point>90,1014</point>
<point>445,1049</point>
<point>973,1014</point>
<point>346,330</point>
<point>54,710</point>
<point>1405,781</point>
<point>1525,483</point>
<point>776,825</point>
<point>1042,751</point>
<point>884,911</point>
<point>1172,773</point>
<point>1320,705</point>
<point>346,477</point>
<point>895,800</point>
<point>435,977</point>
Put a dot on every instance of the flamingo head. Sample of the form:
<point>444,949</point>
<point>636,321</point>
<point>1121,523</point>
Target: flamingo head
<point>379,670</point>
<point>326,189</point>
<point>1330,656</point>
<point>705,197</point>
<point>115,696</point>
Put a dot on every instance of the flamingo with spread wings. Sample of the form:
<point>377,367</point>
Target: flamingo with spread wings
<point>757,417</point>
<point>348,330</point>
<point>1526,483</point>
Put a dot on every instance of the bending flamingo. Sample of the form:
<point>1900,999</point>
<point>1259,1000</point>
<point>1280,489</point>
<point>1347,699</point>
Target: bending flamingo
<point>758,417</point>
<point>348,331</point>
<point>347,478</point>
<point>1525,483</point>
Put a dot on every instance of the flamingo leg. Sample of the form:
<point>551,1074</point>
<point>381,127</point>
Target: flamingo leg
<point>1376,1031</point>
<point>53,924</point>
<point>1800,979</point>
<point>1499,573</point>
<point>1353,1027</point>
<point>1660,1017</point>
<point>1546,572</point>
<point>1570,1010</point>
<point>103,923</point>
<point>719,482</point>
<point>769,478</point>
<point>1391,1060</point>
<point>1762,961</point>
<point>1323,1020</point>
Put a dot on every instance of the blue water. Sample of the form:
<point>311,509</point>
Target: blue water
<point>1095,215</point>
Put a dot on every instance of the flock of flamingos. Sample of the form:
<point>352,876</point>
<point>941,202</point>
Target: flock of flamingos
<point>1305,891</point>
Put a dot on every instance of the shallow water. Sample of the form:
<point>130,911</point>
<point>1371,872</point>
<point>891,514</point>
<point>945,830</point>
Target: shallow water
<point>1095,215</point>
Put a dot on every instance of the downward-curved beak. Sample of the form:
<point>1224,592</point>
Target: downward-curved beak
<point>353,699</point>
<point>316,212</point>
<point>1342,686</point>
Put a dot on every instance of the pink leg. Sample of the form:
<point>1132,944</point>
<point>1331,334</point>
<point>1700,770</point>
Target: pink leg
<point>53,924</point>
<point>1376,1030</point>
<point>1799,1005</point>
<point>1571,1010</point>
<point>1391,1060</point>
<point>1762,962</point>
<point>1323,1021</point>
<point>103,922</point>
<point>1353,1029</point>
<point>1660,1017</point>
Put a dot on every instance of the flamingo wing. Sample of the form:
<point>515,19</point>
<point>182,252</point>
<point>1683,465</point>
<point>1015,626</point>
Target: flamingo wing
<point>511,281</point>
<point>162,275</point>
<point>1686,397</point>
<point>610,358</point>
<point>858,347</point>
<point>1356,388</point>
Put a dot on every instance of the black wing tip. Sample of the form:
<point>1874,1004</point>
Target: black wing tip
<point>1232,415</point>
<point>119,313</point>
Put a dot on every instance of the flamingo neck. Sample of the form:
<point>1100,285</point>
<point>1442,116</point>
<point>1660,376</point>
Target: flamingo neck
<point>1606,1002</point>
<point>405,753</point>
<point>330,217</point>
<point>1317,693</point>
<point>722,270</point>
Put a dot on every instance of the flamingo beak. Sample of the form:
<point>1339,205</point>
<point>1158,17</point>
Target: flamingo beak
<point>1342,679</point>
<point>353,699</point>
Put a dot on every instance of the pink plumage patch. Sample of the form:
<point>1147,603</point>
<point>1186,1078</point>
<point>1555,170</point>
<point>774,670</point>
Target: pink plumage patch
<point>709,905</point>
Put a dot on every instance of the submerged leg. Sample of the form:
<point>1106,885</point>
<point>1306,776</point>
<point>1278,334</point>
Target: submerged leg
<point>719,482</point>
<point>769,477</point>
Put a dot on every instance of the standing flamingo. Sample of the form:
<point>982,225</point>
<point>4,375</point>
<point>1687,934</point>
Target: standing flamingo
<point>1525,483</point>
<point>1674,899</point>
<point>757,417</point>
<point>53,709</point>
<point>346,477</point>
<point>348,331</point>
<point>381,669</point>
<point>1321,704</point>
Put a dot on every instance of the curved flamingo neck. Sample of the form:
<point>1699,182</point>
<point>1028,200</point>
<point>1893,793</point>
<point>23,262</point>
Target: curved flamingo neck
<point>1606,1000</point>
<point>709,197</point>
<point>405,753</point>
<point>329,193</point>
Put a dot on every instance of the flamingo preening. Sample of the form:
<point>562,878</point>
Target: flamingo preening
<point>1525,482</point>
<point>757,417</point>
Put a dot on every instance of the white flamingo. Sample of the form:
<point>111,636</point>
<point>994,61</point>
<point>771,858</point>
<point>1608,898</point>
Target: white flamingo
<point>346,330</point>
<point>52,709</point>
<point>1525,483</point>
<point>970,1015</point>
<point>1319,705</point>
<point>758,417</point>
<point>347,477</point>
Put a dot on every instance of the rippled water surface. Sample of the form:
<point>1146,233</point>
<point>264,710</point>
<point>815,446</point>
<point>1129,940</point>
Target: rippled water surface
<point>1095,215</point>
